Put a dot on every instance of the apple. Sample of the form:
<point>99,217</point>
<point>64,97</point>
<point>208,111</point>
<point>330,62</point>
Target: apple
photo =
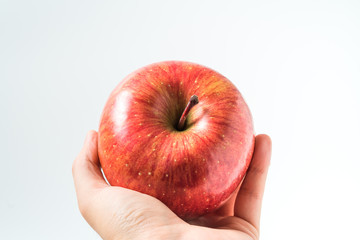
<point>177,131</point>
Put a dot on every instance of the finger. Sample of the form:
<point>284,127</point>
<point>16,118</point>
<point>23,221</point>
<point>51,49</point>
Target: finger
<point>86,167</point>
<point>249,199</point>
<point>228,208</point>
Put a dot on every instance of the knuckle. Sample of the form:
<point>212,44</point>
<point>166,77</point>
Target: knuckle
<point>251,193</point>
<point>75,164</point>
<point>257,170</point>
<point>134,216</point>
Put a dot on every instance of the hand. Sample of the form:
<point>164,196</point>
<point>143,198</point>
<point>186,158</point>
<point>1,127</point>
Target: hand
<point>119,213</point>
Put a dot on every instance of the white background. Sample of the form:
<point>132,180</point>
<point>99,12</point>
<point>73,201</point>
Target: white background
<point>297,63</point>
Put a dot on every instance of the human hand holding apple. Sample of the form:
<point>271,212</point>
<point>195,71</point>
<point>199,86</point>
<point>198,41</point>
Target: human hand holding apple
<point>153,139</point>
<point>120,213</point>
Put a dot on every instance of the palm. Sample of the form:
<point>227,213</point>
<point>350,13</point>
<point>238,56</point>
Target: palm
<point>149,213</point>
<point>116,211</point>
<point>226,227</point>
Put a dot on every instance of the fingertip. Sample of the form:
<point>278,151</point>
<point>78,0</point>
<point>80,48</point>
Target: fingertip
<point>263,147</point>
<point>91,136</point>
<point>265,139</point>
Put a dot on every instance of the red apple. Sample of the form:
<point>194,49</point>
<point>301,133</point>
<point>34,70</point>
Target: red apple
<point>194,166</point>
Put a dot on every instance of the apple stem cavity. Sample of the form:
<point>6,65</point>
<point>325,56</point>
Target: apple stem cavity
<point>192,102</point>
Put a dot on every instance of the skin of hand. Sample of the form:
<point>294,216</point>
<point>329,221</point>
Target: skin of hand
<point>119,213</point>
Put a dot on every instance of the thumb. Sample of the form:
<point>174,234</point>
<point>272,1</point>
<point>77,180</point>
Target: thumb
<point>86,168</point>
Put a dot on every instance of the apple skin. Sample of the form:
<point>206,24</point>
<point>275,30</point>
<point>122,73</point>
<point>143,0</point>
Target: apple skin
<point>193,171</point>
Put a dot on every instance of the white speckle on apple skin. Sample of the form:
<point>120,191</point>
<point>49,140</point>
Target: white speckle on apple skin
<point>139,173</point>
<point>149,173</point>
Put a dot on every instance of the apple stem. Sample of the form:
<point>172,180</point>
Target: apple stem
<point>192,102</point>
